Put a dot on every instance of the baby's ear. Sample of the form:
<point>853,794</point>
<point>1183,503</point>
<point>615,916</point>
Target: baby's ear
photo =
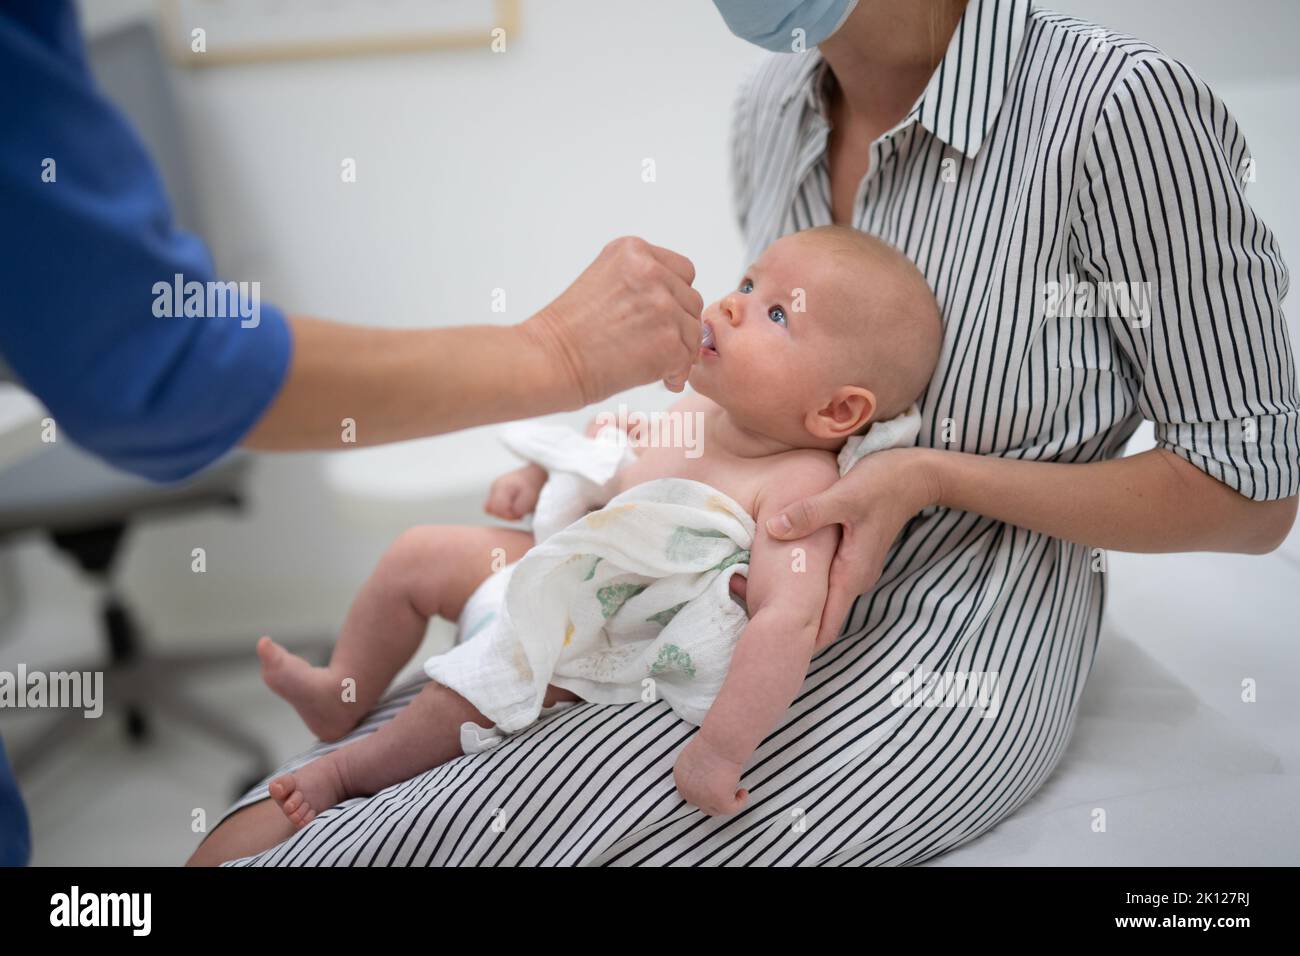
<point>850,408</point>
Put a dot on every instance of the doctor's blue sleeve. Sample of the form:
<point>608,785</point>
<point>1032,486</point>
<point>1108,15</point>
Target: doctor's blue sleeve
<point>86,236</point>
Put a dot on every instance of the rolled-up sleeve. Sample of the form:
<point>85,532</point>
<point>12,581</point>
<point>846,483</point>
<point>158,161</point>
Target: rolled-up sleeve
<point>87,239</point>
<point>1161,209</point>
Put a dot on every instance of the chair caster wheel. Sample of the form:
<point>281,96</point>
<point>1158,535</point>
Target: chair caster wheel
<point>137,725</point>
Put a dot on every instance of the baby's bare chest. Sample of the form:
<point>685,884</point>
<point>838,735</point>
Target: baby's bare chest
<point>735,477</point>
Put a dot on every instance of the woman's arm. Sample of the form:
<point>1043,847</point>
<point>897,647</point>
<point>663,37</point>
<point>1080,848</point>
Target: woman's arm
<point>1150,502</point>
<point>1153,501</point>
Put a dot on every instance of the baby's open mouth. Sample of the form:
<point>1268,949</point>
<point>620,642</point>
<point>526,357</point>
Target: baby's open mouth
<point>706,343</point>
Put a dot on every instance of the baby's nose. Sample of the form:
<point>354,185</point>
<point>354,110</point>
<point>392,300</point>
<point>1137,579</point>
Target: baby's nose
<point>731,308</point>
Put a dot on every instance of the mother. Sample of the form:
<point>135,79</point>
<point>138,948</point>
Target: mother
<point>1012,153</point>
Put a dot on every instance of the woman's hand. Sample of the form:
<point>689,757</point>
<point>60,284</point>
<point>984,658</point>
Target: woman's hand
<point>709,780</point>
<point>515,493</point>
<point>871,503</point>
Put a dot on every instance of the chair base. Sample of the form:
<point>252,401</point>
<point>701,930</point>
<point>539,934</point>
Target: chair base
<point>86,510</point>
<point>146,686</point>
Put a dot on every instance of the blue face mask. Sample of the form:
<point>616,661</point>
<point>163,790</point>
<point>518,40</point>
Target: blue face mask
<point>771,23</point>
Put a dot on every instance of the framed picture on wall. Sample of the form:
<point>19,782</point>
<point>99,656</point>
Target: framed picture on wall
<point>215,32</point>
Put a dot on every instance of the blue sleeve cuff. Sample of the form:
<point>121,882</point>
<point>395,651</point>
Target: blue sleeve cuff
<point>90,245</point>
<point>240,377</point>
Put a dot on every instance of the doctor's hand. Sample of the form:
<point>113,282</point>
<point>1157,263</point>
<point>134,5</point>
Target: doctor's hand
<point>872,503</point>
<point>630,318</point>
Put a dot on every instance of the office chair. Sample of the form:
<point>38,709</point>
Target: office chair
<point>86,509</point>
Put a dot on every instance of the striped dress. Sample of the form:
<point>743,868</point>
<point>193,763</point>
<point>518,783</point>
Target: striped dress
<point>1045,157</point>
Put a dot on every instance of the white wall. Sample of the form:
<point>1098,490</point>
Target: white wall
<point>1246,52</point>
<point>479,170</point>
<point>476,170</point>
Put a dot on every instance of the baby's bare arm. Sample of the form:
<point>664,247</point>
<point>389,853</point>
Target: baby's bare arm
<point>786,593</point>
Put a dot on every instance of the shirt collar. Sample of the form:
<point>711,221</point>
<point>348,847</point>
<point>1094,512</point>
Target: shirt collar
<point>980,60</point>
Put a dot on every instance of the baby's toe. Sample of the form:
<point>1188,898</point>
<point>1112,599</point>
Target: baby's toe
<point>281,788</point>
<point>295,802</point>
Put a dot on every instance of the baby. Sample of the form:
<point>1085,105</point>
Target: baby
<point>831,331</point>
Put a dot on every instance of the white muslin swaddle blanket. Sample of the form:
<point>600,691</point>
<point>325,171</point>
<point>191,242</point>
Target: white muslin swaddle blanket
<point>627,603</point>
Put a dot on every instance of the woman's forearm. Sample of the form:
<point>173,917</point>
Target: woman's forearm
<point>1150,502</point>
<point>396,384</point>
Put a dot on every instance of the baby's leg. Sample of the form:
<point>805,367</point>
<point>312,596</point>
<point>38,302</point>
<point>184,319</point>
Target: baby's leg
<point>430,570</point>
<point>423,735</point>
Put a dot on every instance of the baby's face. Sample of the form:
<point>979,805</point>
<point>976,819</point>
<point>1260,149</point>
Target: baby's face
<point>779,341</point>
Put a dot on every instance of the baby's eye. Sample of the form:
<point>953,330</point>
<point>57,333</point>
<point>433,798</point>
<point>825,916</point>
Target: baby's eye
<point>746,286</point>
<point>777,315</point>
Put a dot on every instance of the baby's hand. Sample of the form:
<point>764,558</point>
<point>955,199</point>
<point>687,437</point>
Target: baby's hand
<point>515,493</point>
<point>708,780</point>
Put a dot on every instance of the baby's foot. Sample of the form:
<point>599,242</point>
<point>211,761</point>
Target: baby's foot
<point>308,790</point>
<point>312,691</point>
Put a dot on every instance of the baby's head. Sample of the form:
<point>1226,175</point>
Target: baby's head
<point>830,331</point>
